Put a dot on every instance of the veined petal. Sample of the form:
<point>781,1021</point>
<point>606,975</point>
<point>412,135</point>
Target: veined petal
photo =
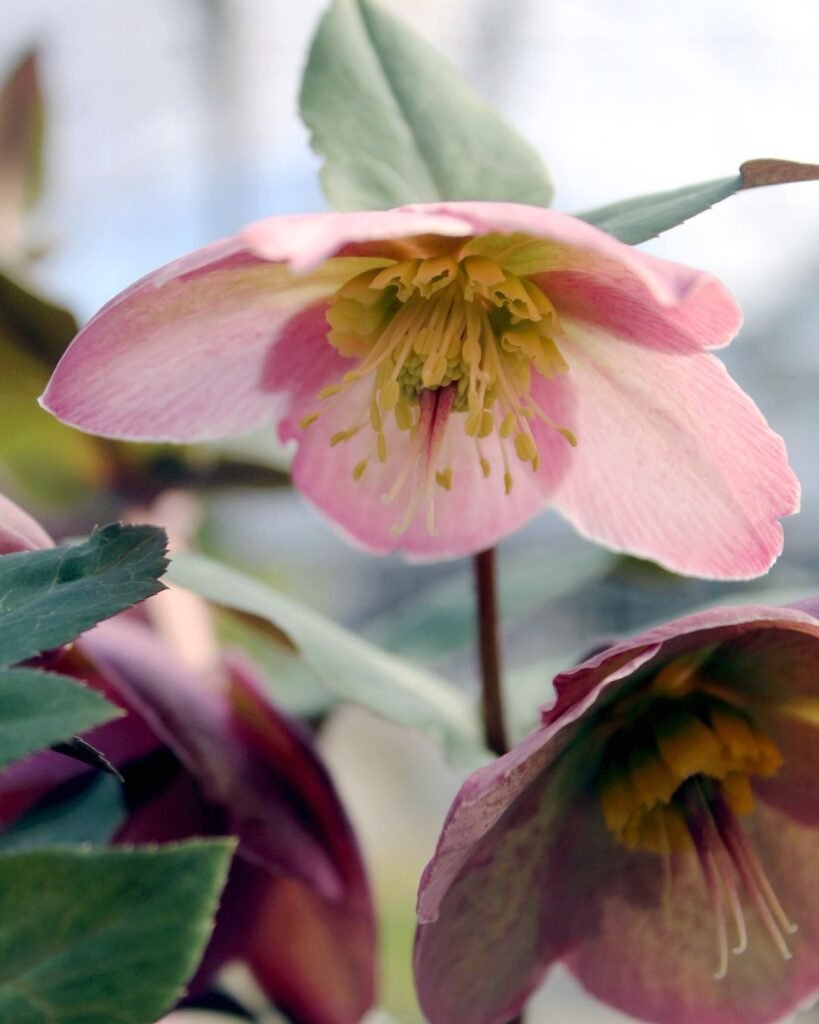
<point>512,909</point>
<point>659,965</point>
<point>181,355</point>
<point>674,462</point>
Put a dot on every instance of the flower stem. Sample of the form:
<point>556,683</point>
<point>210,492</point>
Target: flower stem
<point>494,724</point>
<point>489,646</point>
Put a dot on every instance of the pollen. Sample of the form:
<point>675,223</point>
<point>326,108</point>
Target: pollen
<point>675,775</point>
<point>460,326</point>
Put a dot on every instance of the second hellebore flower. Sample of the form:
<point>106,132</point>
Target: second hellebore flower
<point>448,370</point>
<point>659,834</point>
<point>214,760</point>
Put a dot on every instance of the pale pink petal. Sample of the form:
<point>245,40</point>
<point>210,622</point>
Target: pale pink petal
<point>658,965</point>
<point>674,462</point>
<point>305,240</point>
<point>18,531</point>
<point>182,355</point>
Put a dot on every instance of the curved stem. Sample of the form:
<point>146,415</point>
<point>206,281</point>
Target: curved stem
<point>494,724</point>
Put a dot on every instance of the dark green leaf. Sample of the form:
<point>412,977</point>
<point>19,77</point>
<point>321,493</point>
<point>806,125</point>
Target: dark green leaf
<point>349,666</point>
<point>49,597</point>
<point>41,708</point>
<point>103,936</point>
<point>637,220</point>
<point>397,124</point>
<point>89,810</point>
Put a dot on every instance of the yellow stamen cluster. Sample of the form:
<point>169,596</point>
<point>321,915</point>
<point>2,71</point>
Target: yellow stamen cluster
<point>676,739</point>
<point>445,322</point>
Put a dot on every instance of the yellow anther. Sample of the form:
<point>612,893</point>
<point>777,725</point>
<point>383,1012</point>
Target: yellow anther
<point>358,471</point>
<point>434,371</point>
<point>473,422</point>
<point>305,421</point>
<point>375,416</point>
<point>486,468</point>
<point>736,788</point>
<point>382,448</point>
<point>444,479</point>
<point>403,415</point>
<point>389,394</point>
<point>651,777</point>
<point>508,424</point>
<point>619,801</point>
<point>340,436</point>
<point>487,424</point>
<point>507,482</point>
<point>328,392</point>
<point>435,274</point>
<point>679,677</point>
<point>399,276</point>
<point>525,447</point>
<point>688,746</point>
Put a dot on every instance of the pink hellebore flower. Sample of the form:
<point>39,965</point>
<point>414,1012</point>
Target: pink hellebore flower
<point>447,371</point>
<point>659,834</point>
<point>200,760</point>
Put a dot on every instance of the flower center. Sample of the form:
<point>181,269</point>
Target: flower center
<point>439,337</point>
<point>675,777</point>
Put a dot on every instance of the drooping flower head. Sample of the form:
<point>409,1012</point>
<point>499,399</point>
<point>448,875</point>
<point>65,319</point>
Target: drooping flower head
<point>659,834</point>
<point>448,370</point>
<point>203,757</point>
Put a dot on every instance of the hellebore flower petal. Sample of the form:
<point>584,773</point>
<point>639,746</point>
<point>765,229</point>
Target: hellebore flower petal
<point>210,757</point>
<point>446,371</point>
<point>18,531</point>
<point>664,814</point>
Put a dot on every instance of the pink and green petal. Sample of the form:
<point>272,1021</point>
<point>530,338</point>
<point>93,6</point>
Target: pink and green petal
<point>659,965</point>
<point>519,902</point>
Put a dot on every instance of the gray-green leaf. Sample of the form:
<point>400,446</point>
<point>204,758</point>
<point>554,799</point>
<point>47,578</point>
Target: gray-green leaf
<point>397,124</point>
<point>636,220</point>
<point>104,936</point>
<point>354,669</point>
<point>49,597</point>
<point>41,708</point>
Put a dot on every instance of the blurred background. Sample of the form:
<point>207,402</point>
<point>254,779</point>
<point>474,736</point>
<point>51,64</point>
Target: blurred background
<point>167,123</point>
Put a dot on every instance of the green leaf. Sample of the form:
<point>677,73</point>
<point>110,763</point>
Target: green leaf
<point>637,220</point>
<point>441,619</point>
<point>354,669</point>
<point>41,708</point>
<point>49,597</point>
<point>102,936</point>
<point>397,124</point>
<point>89,812</point>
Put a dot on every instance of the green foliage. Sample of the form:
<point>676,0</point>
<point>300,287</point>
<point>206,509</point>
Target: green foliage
<point>49,597</point>
<point>90,810</point>
<point>41,708</point>
<point>637,220</point>
<point>95,937</point>
<point>397,124</point>
<point>347,665</point>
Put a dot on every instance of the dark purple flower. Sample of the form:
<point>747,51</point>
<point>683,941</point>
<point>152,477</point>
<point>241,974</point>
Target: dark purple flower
<point>212,756</point>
